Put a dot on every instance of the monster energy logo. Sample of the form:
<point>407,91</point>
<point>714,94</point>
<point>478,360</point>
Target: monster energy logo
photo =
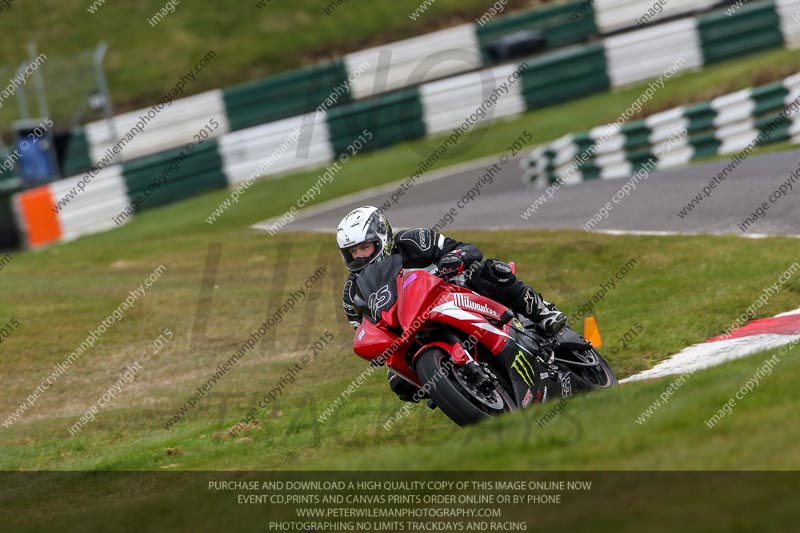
<point>524,368</point>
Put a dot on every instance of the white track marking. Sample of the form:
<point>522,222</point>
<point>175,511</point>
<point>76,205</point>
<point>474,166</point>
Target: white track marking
<point>711,354</point>
<point>689,234</point>
<point>716,352</point>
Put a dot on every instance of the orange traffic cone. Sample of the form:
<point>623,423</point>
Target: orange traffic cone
<point>590,331</point>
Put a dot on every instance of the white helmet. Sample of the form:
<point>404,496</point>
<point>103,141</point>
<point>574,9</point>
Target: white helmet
<point>365,224</point>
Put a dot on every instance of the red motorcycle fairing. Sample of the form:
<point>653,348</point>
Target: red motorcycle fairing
<point>425,297</point>
<point>370,340</point>
<point>468,312</point>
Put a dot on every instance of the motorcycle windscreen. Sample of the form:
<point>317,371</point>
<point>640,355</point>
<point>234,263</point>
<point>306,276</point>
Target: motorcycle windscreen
<point>377,286</point>
<point>419,295</point>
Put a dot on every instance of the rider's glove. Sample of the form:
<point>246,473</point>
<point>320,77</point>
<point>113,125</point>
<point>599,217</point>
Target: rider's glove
<point>451,263</point>
<point>499,273</point>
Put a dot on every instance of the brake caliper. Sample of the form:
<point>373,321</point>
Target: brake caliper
<point>483,378</point>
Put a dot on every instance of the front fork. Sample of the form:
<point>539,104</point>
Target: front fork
<point>471,369</point>
<point>477,372</point>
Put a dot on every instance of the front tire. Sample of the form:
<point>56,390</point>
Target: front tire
<point>452,392</point>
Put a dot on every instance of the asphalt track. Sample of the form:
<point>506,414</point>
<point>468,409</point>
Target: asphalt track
<point>651,207</point>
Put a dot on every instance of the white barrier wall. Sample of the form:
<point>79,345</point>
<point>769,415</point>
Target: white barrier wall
<point>789,13</point>
<point>174,125</point>
<point>447,103</point>
<point>93,209</point>
<point>413,61</point>
<point>272,149</point>
<point>648,53</point>
<point>612,15</point>
<point>666,137</point>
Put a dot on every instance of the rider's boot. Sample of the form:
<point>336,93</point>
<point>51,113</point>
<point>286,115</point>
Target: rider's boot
<point>533,306</point>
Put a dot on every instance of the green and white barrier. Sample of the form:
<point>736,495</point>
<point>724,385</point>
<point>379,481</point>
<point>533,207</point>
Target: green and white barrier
<point>614,15</point>
<point>729,124</point>
<point>149,131</point>
<point>331,107</point>
<point>288,94</point>
<point>413,61</point>
<point>640,55</point>
<point>430,64</point>
<point>273,149</point>
<point>447,103</point>
<point>789,14</point>
<point>754,27</point>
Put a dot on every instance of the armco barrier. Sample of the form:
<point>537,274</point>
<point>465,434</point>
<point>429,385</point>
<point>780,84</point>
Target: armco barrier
<point>727,124</point>
<point>93,210</point>
<point>561,25</point>
<point>393,66</point>
<point>9,232</point>
<point>413,61</point>
<point>89,212</point>
<point>179,173</point>
<point>76,154</point>
<point>401,65</point>
<point>6,174</point>
<point>145,132</point>
<point>613,15</point>
<point>752,28</point>
<point>392,118</point>
<point>565,75</point>
<point>446,103</point>
<point>273,149</point>
<point>285,95</point>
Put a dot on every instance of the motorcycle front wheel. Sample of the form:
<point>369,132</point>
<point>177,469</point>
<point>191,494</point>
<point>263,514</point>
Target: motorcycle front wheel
<point>452,390</point>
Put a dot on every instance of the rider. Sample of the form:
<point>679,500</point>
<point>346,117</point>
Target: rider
<point>365,236</point>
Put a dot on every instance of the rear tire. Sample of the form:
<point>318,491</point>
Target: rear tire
<point>450,392</point>
<point>587,378</point>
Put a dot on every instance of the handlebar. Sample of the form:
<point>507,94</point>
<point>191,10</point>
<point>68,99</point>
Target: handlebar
<point>458,279</point>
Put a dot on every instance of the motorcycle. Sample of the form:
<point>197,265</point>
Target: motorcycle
<point>471,356</point>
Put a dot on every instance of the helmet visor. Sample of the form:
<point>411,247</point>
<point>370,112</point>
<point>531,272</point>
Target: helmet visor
<point>355,257</point>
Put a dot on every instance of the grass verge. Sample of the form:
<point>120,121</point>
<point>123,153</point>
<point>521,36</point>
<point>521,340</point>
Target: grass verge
<point>253,39</point>
<point>679,290</point>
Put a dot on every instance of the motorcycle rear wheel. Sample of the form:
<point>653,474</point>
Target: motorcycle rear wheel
<point>451,391</point>
<point>589,377</point>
